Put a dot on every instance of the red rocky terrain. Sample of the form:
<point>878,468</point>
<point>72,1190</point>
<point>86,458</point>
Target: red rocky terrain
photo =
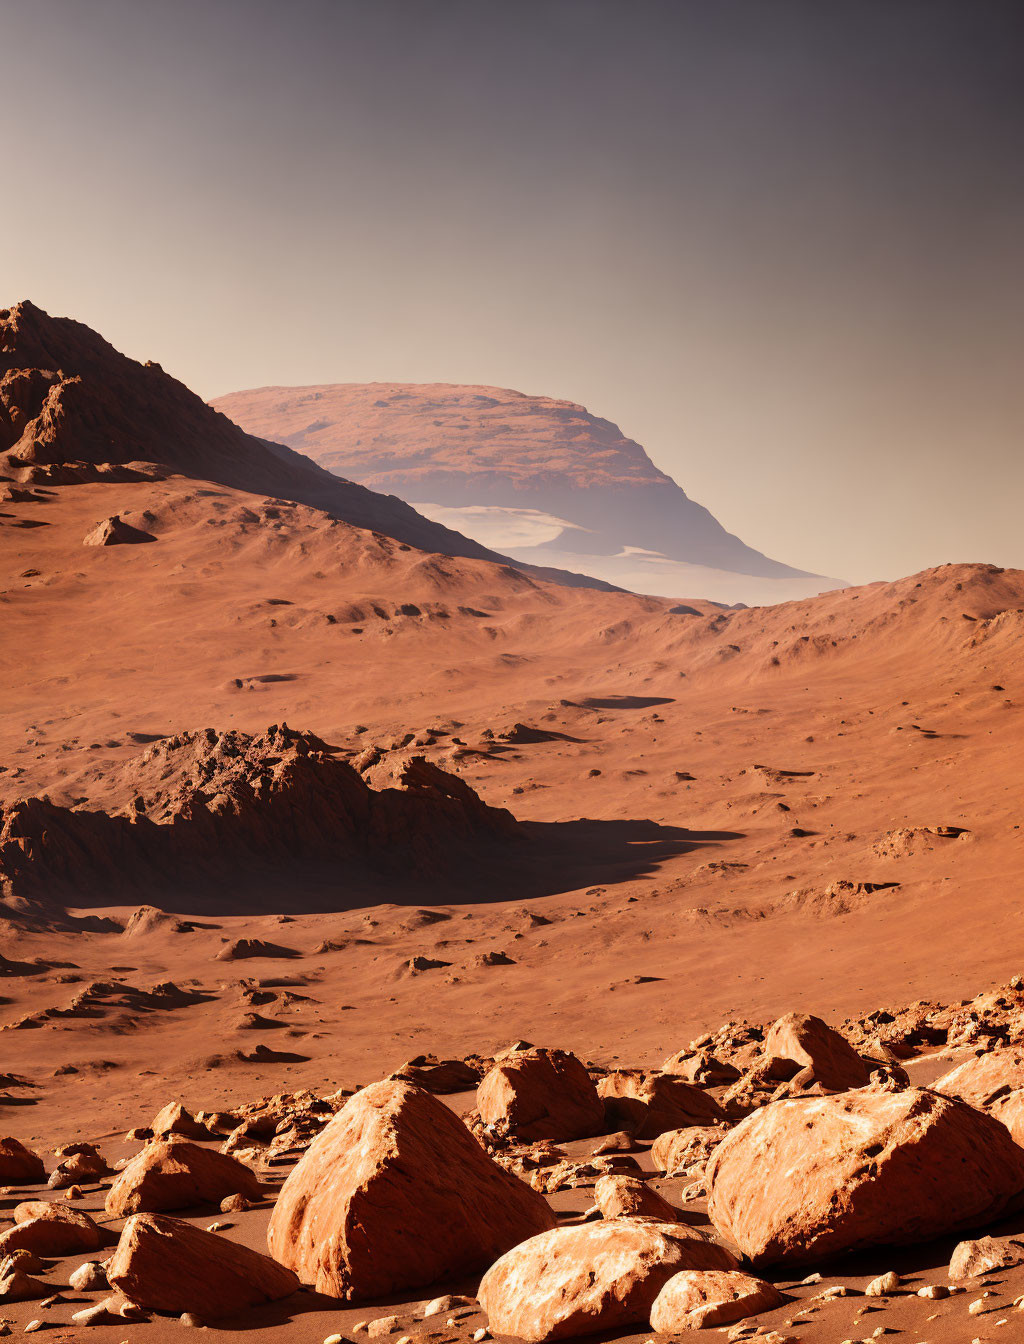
<point>502,989</point>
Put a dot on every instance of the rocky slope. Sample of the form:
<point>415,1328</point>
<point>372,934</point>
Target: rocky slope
<point>74,409</point>
<point>502,462</point>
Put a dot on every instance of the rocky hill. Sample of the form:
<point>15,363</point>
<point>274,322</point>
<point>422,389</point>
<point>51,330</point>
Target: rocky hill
<point>73,409</point>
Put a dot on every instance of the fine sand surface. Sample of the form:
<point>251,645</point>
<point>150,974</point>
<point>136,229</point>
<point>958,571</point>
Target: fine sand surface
<point>727,815</point>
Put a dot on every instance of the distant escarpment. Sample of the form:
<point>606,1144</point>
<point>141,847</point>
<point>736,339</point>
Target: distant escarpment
<point>229,820</point>
<point>480,449</point>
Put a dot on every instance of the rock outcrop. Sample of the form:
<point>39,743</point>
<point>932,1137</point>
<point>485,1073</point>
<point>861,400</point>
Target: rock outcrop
<point>114,531</point>
<point>603,1276</point>
<point>540,1094</point>
<point>801,1180</point>
<point>396,1194</point>
<point>168,1265</point>
<point>214,808</point>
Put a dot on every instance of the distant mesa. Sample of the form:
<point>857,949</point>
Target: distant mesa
<point>543,480</point>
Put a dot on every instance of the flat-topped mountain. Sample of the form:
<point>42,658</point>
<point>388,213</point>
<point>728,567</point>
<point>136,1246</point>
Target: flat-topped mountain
<point>542,479</point>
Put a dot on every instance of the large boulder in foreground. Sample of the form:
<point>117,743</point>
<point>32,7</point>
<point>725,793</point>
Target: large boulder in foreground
<point>697,1299</point>
<point>985,1079</point>
<point>802,1180</point>
<point>19,1165</point>
<point>814,1049</point>
<point>599,1276</point>
<point>394,1194</point>
<point>647,1104</point>
<point>165,1264</point>
<point>177,1175</point>
<point>540,1094</point>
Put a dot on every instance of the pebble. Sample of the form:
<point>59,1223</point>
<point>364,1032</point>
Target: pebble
<point>480,1335</point>
<point>933,1290</point>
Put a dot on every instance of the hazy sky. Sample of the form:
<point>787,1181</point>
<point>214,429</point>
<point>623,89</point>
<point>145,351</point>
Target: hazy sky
<point>780,242</point>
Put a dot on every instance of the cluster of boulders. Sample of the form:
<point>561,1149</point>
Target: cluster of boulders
<point>805,1146</point>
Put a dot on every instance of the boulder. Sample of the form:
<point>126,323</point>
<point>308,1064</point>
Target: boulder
<point>801,1180</point>
<point>18,1165</point>
<point>174,1119</point>
<point>89,1277</point>
<point>677,1149</point>
<point>50,1229</point>
<point>597,1276</point>
<point>629,1197</point>
<point>168,1265</point>
<point>697,1299</point>
<point>816,1051</point>
<point>972,1259</point>
<point>439,1075</point>
<point>540,1094</point>
<point>395,1193</point>
<point>985,1079</point>
<point>17,1286</point>
<point>80,1168</point>
<point>648,1104</point>
<point>178,1175</point>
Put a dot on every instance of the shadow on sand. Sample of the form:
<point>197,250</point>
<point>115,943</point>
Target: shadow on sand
<point>546,858</point>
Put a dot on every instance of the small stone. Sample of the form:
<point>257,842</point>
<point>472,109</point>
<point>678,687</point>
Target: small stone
<point>32,1327</point>
<point>217,1227</point>
<point>979,1304</point>
<point>98,1314</point>
<point>383,1325</point>
<point>335,1339</point>
<point>480,1335</point>
<point>933,1291</point>
<point>883,1285</point>
<point>190,1318</point>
